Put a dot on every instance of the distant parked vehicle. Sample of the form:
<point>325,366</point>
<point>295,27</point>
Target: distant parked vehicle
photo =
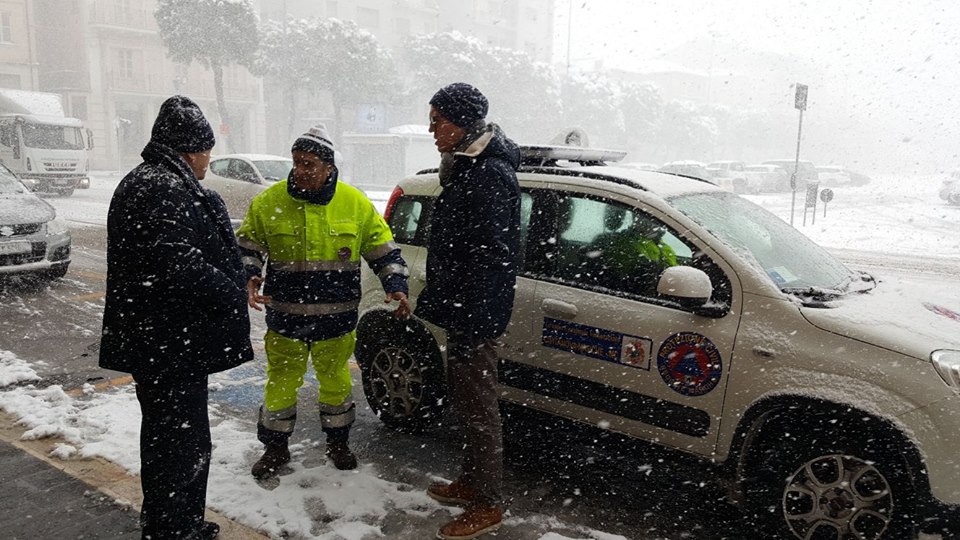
<point>641,166</point>
<point>729,172</point>
<point>693,169</point>
<point>766,178</point>
<point>950,190</point>
<point>238,178</point>
<point>836,176</point>
<point>806,172</point>
<point>33,240</point>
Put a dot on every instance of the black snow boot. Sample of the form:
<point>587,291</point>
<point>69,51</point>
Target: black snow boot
<point>209,530</point>
<point>340,454</point>
<point>275,456</point>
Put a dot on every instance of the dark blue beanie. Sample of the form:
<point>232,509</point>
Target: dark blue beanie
<point>461,104</point>
<point>181,126</point>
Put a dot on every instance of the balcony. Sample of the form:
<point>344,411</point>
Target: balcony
<point>159,85</point>
<point>110,13</point>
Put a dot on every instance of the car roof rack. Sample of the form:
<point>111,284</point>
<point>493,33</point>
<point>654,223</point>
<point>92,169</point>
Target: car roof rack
<point>549,155</point>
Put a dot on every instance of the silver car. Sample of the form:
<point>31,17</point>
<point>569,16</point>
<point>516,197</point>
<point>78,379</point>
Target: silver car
<point>33,240</point>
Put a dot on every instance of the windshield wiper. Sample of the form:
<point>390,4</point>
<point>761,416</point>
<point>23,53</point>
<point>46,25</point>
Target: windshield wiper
<point>813,293</point>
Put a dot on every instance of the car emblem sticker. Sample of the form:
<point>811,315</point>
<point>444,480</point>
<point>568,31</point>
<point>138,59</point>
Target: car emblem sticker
<point>6,231</point>
<point>689,363</point>
<point>344,254</point>
<point>635,352</point>
<point>940,310</point>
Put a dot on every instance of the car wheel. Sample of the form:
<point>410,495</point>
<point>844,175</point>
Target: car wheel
<point>402,374</point>
<point>830,482</point>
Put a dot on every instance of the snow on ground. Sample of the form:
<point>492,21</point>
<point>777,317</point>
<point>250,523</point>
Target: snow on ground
<point>349,505</point>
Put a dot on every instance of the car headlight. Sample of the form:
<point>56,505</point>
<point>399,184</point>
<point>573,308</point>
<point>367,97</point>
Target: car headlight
<point>57,226</point>
<point>947,362</point>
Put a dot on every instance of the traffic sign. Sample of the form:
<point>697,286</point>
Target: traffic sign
<point>800,98</point>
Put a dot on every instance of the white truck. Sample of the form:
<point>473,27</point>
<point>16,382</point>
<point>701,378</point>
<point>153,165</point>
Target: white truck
<point>38,142</point>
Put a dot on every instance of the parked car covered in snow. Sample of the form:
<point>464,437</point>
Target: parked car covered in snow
<point>831,411</point>
<point>33,240</point>
<point>766,178</point>
<point>692,169</point>
<point>731,172</point>
<point>238,178</point>
<point>806,172</point>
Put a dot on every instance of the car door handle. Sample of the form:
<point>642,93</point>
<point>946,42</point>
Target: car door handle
<point>560,309</point>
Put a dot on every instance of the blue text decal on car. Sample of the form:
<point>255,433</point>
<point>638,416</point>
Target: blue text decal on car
<point>597,343</point>
<point>689,363</point>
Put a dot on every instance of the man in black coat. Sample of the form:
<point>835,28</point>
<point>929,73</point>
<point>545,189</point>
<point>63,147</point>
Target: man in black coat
<point>471,275</point>
<point>176,311</point>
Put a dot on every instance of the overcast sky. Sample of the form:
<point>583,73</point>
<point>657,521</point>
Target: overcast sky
<point>895,62</point>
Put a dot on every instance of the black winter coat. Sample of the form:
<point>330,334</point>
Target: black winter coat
<point>474,241</point>
<point>176,290</point>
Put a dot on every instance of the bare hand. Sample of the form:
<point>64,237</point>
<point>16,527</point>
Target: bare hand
<point>254,298</point>
<point>403,310</point>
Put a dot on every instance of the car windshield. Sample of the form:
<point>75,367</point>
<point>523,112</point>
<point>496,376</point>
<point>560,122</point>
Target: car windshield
<point>274,170</point>
<point>52,137</point>
<point>9,183</point>
<point>786,256</point>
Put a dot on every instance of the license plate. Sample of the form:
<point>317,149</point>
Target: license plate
<point>65,182</point>
<point>11,248</point>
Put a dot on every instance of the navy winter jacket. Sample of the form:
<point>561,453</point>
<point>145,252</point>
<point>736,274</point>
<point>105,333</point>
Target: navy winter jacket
<point>176,290</point>
<point>474,240</point>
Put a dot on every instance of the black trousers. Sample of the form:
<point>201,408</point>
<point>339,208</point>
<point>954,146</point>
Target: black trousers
<point>174,456</point>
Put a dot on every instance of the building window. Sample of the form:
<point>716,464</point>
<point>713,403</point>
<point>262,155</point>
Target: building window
<point>6,32</point>
<point>125,63</point>
<point>332,9</point>
<point>368,18</point>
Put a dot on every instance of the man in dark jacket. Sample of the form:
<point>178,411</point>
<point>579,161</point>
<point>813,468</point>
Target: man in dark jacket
<point>471,276</point>
<point>175,312</point>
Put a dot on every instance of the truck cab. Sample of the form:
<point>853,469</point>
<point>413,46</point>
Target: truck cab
<point>48,153</point>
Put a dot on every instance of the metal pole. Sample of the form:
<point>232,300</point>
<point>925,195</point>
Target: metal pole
<point>796,168</point>
<point>569,32</point>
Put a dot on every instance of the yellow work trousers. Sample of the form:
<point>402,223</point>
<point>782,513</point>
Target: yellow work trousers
<point>287,364</point>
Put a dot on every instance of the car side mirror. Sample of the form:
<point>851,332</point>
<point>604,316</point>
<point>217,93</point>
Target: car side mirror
<point>691,288</point>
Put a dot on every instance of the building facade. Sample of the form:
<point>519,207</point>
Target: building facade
<point>106,58</point>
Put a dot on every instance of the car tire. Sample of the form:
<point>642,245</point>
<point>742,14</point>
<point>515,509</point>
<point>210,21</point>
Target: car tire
<point>402,372</point>
<point>827,479</point>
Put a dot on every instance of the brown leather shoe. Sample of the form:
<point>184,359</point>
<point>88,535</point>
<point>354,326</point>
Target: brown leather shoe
<point>473,522</point>
<point>454,493</point>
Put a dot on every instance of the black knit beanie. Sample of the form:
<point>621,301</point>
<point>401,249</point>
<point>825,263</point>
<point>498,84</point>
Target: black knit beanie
<point>461,104</point>
<point>181,126</point>
<point>316,141</point>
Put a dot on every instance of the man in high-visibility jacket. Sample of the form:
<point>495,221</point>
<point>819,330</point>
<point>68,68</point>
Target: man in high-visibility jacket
<point>302,240</point>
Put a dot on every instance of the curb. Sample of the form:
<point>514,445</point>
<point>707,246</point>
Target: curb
<point>105,476</point>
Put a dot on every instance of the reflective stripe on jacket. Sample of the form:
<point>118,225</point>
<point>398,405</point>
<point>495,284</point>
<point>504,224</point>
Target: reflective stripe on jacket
<point>311,256</point>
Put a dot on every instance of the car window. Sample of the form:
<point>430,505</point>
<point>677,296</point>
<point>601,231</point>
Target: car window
<point>274,170</point>
<point>243,171</point>
<point>788,257</point>
<point>406,217</point>
<point>610,247</point>
<point>9,183</point>
<point>219,167</point>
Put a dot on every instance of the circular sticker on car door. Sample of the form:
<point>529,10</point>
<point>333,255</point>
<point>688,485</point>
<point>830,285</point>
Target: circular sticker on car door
<point>689,363</point>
